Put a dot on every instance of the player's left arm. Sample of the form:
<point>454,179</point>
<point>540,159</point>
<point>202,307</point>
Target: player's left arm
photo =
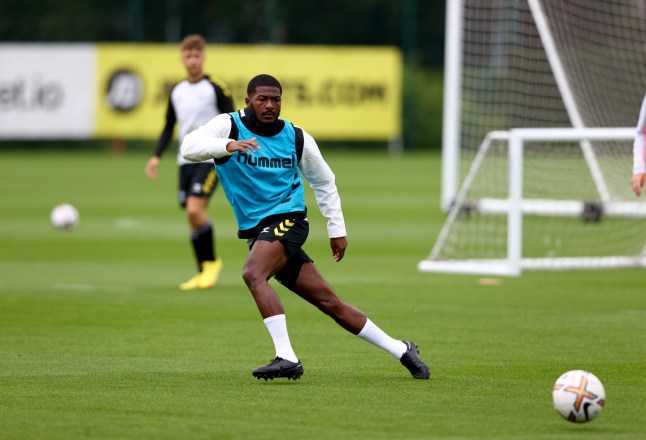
<point>338,245</point>
<point>639,152</point>
<point>637,182</point>
<point>323,182</point>
<point>223,96</point>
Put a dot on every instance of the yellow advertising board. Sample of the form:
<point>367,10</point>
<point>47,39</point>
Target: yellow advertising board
<point>342,93</point>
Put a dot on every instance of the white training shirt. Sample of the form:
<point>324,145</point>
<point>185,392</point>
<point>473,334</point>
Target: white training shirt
<point>210,142</point>
<point>639,146</point>
<point>194,104</point>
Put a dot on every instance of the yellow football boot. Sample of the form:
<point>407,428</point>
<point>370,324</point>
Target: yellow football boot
<point>191,284</point>
<point>210,274</point>
<point>206,279</point>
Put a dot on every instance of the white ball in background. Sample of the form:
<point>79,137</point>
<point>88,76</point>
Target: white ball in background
<point>64,216</point>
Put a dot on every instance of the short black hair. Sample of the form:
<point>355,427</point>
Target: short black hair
<point>262,80</point>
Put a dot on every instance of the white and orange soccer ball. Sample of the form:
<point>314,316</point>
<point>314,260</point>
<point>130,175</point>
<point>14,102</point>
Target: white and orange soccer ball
<point>578,396</point>
<point>64,216</point>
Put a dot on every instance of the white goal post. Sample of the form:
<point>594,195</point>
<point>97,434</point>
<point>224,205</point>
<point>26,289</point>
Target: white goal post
<point>515,207</point>
<point>540,102</point>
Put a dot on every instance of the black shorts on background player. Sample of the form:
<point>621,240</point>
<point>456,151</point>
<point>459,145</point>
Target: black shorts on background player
<point>198,180</point>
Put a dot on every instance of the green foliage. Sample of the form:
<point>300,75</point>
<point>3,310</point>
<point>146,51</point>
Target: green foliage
<point>423,100</point>
<point>326,22</point>
<point>96,341</point>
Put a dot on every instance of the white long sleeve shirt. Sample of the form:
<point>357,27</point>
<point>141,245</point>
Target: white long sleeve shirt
<point>210,142</point>
<point>639,146</point>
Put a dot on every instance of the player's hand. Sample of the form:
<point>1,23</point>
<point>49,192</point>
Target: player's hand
<point>243,146</point>
<point>637,182</point>
<point>151,167</point>
<point>338,245</point>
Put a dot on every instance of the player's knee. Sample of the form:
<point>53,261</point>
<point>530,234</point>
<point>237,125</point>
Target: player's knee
<point>193,212</point>
<point>247,276</point>
<point>330,304</point>
<point>252,278</point>
<point>197,219</point>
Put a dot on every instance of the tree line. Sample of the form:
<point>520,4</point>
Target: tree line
<point>416,26</point>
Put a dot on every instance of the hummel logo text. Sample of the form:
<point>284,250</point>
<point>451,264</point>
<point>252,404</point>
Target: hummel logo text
<point>267,162</point>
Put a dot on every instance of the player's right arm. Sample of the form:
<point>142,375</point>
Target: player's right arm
<point>211,141</point>
<point>163,142</point>
<point>639,152</point>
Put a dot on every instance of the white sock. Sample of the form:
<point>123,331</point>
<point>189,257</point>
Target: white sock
<point>277,326</point>
<point>378,337</point>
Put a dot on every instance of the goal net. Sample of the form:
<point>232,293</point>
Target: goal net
<point>560,67</point>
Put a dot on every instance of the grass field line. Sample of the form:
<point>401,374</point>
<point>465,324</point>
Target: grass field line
<point>91,287</point>
<point>127,223</point>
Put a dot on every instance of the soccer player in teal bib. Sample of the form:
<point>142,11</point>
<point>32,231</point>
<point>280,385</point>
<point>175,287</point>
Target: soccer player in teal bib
<point>261,161</point>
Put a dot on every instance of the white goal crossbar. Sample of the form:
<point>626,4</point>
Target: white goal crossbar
<point>515,207</point>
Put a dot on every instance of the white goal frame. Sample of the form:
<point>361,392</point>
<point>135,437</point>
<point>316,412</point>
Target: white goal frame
<point>453,96</point>
<point>515,207</point>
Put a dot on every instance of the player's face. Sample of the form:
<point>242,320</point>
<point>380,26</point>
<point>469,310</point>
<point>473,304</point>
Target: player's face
<point>265,103</point>
<point>193,60</point>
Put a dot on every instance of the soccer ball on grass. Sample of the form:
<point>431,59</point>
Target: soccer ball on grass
<point>578,396</point>
<point>64,216</point>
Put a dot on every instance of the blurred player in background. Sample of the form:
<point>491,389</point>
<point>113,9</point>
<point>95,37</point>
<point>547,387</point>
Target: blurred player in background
<point>639,152</point>
<point>259,156</point>
<point>192,103</point>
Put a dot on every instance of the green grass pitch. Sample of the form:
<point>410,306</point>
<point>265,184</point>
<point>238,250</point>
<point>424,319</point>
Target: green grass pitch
<point>96,341</point>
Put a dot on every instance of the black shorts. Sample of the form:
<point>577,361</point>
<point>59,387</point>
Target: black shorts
<point>292,231</point>
<point>197,180</point>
